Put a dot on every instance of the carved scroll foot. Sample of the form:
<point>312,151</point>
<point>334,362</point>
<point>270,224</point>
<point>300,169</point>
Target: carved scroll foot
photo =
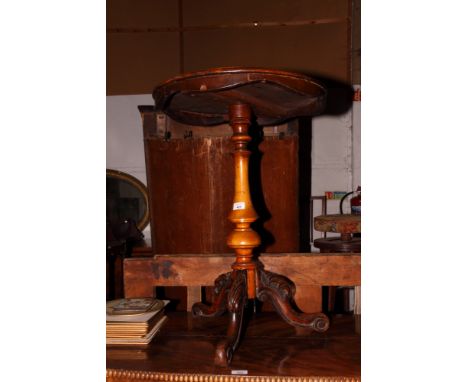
<point>218,307</point>
<point>280,291</point>
<point>236,303</point>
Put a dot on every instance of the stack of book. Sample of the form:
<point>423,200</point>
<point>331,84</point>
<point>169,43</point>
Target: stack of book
<point>134,321</point>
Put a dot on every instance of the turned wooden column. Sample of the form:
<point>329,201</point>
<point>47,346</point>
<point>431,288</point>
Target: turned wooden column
<point>242,238</point>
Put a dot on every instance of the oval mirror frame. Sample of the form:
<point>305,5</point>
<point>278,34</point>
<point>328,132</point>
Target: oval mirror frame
<point>143,222</point>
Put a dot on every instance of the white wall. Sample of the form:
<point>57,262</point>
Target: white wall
<point>124,137</point>
<point>336,158</point>
<point>124,140</point>
<point>357,141</point>
<point>336,148</point>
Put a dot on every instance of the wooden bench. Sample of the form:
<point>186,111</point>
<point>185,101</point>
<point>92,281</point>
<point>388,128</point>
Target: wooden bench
<point>309,271</point>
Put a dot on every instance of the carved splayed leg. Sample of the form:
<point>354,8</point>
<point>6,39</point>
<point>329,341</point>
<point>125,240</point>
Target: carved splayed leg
<point>280,291</point>
<point>237,300</point>
<point>218,307</point>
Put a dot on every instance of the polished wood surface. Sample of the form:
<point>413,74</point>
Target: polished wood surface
<point>242,239</point>
<point>270,348</point>
<point>203,98</point>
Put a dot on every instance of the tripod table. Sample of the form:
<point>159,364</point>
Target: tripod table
<point>241,96</point>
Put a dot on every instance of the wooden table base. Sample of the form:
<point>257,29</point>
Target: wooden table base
<point>231,295</point>
<point>240,96</point>
<point>249,280</point>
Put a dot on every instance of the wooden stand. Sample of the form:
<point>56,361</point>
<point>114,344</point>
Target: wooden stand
<point>248,280</point>
<point>230,95</point>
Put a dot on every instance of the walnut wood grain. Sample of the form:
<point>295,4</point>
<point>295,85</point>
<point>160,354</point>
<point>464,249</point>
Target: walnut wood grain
<point>195,222</point>
<point>280,291</point>
<point>236,304</point>
<point>202,269</point>
<point>271,351</point>
<point>309,271</point>
<point>203,98</point>
<point>218,307</point>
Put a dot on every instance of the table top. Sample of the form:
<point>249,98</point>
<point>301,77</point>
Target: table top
<point>271,350</point>
<point>275,96</point>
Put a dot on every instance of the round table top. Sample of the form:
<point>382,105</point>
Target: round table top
<point>275,96</point>
<point>344,223</point>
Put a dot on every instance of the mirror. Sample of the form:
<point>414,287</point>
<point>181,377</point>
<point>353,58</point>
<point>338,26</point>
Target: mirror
<point>126,198</point>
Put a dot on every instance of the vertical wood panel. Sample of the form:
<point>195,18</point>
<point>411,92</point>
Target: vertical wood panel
<point>146,44</point>
<point>320,49</point>
<point>212,12</point>
<point>279,187</point>
<point>136,62</point>
<point>191,183</point>
<point>141,14</point>
<point>180,195</point>
<point>192,192</point>
<point>308,298</point>
<point>356,48</point>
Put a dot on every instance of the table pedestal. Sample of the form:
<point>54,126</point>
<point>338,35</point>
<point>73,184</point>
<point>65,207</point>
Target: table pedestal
<point>249,280</point>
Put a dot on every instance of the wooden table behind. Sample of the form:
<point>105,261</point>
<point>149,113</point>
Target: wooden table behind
<point>309,271</point>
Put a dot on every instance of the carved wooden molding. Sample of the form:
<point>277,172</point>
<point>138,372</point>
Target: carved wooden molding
<point>114,375</point>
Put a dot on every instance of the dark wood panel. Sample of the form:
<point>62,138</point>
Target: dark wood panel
<point>144,38</point>
<point>212,12</point>
<point>191,183</point>
<point>184,196</point>
<point>137,62</point>
<point>142,274</point>
<point>142,14</point>
<point>279,192</point>
<point>319,49</point>
<point>308,271</point>
<point>356,42</point>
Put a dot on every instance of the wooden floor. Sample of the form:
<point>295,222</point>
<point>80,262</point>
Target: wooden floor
<point>184,351</point>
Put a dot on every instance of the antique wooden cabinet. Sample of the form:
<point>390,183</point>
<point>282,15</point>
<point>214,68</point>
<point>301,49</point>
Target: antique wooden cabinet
<point>190,181</point>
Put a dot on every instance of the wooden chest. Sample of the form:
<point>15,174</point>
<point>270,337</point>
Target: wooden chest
<point>190,182</point>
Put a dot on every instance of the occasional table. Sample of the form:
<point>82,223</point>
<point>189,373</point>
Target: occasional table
<point>242,96</point>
